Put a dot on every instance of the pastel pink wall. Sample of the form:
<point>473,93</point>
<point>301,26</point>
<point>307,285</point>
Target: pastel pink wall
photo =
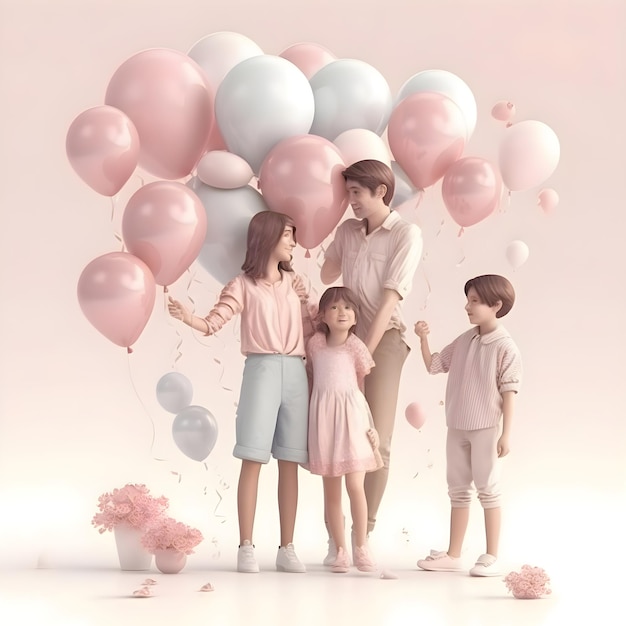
<point>77,415</point>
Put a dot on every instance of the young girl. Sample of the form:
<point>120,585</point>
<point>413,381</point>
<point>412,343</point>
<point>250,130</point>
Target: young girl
<point>376,255</point>
<point>485,370</point>
<point>342,441</point>
<point>273,404</point>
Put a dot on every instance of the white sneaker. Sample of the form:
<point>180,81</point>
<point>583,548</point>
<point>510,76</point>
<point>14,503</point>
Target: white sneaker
<point>287,560</point>
<point>332,553</point>
<point>246,561</point>
<point>486,565</point>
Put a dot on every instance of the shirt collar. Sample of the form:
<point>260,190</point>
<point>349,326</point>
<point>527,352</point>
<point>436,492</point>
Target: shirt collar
<point>494,335</point>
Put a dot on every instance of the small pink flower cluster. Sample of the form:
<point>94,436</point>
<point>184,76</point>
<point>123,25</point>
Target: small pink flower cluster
<point>132,504</point>
<point>167,533</point>
<point>529,584</point>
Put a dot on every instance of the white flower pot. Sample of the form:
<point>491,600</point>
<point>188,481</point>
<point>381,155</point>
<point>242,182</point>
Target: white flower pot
<point>133,556</point>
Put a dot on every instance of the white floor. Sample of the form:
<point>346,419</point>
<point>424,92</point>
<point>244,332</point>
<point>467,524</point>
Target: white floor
<point>90,597</point>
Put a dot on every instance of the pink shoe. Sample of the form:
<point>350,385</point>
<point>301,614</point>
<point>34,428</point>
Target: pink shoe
<point>342,562</point>
<point>363,560</point>
<point>439,562</point>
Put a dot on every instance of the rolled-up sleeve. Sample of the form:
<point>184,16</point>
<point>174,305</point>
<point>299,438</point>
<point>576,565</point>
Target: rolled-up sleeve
<point>403,263</point>
<point>229,304</point>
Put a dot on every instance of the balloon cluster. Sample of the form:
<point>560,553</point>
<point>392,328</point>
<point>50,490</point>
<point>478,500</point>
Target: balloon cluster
<point>226,113</point>
<point>194,428</point>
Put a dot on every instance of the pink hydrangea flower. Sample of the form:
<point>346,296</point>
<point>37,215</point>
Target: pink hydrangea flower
<point>529,584</point>
<point>132,504</point>
<point>167,533</point>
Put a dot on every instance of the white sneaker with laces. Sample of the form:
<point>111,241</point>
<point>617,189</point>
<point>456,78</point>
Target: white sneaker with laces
<point>287,560</point>
<point>246,561</point>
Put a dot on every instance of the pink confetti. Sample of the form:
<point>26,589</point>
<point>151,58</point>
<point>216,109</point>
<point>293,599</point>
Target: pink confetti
<point>388,575</point>
<point>149,582</point>
<point>207,587</point>
<point>144,592</point>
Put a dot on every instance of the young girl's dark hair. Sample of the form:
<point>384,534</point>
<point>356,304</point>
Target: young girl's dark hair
<point>264,232</point>
<point>492,288</point>
<point>371,173</point>
<point>329,297</point>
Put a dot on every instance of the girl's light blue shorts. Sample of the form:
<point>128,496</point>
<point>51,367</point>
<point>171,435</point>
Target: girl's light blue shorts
<point>272,415</point>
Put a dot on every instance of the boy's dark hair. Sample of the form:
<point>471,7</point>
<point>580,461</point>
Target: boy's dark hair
<point>492,288</point>
<point>371,173</point>
<point>329,297</point>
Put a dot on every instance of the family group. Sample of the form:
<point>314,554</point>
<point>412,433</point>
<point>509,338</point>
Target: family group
<point>320,382</point>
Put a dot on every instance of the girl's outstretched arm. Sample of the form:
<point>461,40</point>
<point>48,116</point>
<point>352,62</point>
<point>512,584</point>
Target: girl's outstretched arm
<point>180,312</point>
<point>422,331</point>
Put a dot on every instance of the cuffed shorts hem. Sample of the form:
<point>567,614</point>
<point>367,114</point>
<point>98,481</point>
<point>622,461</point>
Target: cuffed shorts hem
<point>251,454</point>
<point>290,454</point>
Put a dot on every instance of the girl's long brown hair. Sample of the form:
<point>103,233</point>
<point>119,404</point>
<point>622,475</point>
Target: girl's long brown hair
<point>264,232</point>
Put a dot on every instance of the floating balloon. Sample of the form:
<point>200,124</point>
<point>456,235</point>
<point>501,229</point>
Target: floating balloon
<point>359,144</point>
<point>168,98</point>
<point>116,293</point>
<point>217,54</point>
<point>174,392</point>
<point>503,111</point>
<point>415,415</point>
<point>309,57</point>
<point>301,177</point>
<point>164,224</point>
<point>517,253</point>
<point>102,146</point>
<point>228,213</point>
<point>260,102</point>
<point>447,84</point>
<point>194,431</point>
<point>404,189</point>
<point>349,94</point>
<point>548,199</point>
<point>529,153</point>
<point>426,133</point>
<point>471,190</point>
<point>224,170</point>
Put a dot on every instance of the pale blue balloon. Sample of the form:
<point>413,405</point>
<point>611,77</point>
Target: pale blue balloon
<point>349,94</point>
<point>174,392</point>
<point>228,212</point>
<point>404,189</point>
<point>194,431</point>
<point>261,101</point>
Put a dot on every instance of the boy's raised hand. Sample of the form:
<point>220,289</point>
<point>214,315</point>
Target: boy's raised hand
<point>421,329</point>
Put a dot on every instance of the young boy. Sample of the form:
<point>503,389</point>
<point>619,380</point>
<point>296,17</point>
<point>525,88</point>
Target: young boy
<point>484,367</point>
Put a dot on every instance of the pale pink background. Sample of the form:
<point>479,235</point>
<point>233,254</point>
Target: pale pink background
<point>77,415</point>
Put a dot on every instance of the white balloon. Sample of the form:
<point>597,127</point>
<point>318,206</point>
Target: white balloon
<point>194,431</point>
<point>404,189</point>
<point>358,144</point>
<point>517,253</point>
<point>224,170</point>
<point>174,392</point>
<point>448,84</point>
<point>261,101</point>
<point>229,212</point>
<point>218,53</point>
<point>349,94</point>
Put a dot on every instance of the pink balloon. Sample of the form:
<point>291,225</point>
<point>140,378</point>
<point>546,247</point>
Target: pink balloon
<point>301,177</point>
<point>503,110</point>
<point>224,170</point>
<point>415,415</point>
<point>529,153</point>
<point>102,146</point>
<point>167,96</point>
<point>165,224</point>
<point>116,293</point>
<point>471,190</point>
<point>427,133</point>
<point>308,57</point>
<point>548,199</point>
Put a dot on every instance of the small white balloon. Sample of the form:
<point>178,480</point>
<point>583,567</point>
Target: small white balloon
<point>194,431</point>
<point>358,144</point>
<point>548,199</point>
<point>517,253</point>
<point>174,392</point>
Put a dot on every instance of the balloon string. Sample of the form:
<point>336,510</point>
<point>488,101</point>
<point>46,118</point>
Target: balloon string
<point>429,290</point>
<point>132,382</point>
<point>115,233</point>
<point>179,337</point>
<point>460,262</point>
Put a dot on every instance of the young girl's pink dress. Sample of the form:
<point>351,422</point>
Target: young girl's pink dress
<point>339,416</point>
